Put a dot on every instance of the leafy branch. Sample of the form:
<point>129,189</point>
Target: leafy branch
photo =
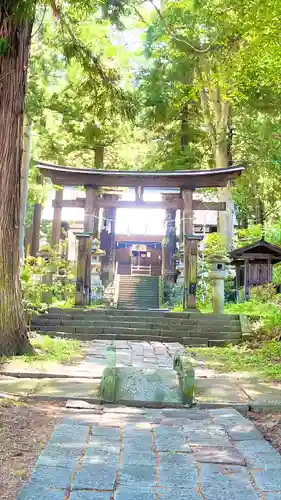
<point>175,37</point>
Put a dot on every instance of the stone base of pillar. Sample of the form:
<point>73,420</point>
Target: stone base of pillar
<point>218,296</point>
<point>47,278</point>
<point>218,275</point>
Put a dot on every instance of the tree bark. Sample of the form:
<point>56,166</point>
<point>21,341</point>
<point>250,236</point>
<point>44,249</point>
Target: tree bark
<point>14,49</point>
<point>99,156</point>
<point>184,128</point>
<point>24,183</point>
<point>216,112</point>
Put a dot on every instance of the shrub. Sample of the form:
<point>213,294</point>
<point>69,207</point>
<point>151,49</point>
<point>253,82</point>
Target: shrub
<point>214,245</point>
<point>264,293</point>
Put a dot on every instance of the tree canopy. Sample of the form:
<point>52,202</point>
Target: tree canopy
<point>177,85</point>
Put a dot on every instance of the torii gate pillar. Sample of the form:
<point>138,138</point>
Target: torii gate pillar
<point>82,282</point>
<point>190,249</point>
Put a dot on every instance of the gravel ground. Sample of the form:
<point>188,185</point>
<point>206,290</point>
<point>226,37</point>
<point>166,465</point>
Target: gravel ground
<point>24,430</point>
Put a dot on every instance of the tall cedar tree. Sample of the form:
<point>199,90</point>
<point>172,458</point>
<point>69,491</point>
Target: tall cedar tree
<point>15,37</point>
<point>16,23</point>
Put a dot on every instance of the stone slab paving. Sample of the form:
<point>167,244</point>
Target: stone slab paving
<point>120,453</point>
<point>61,388</point>
<point>145,358</point>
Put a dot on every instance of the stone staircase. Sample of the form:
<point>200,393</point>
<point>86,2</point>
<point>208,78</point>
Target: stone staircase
<point>138,292</point>
<point>188,328</point>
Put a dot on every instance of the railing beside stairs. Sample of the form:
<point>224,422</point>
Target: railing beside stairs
<point>141,270</point>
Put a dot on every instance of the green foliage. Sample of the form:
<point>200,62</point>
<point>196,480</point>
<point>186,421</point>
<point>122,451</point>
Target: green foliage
<point>80,95</point>
<point>262,361</point>
<point>4,46</point>
<point>63,288</point>
<point>249,235</point>
<point>53,349</point>
<point>264,294</point>
<point>270,231</point>
<point>203,57</point>
<point>253,309</point>
<point>48,350</point>
<point>214,245</point>
<point>32,287</point>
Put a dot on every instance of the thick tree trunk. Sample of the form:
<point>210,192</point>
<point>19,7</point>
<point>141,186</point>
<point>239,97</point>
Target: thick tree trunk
<point>99,156</point>
<point>225,218</point>
<point>184,127</point>
<point>217,117</point>
<point>13,69</point>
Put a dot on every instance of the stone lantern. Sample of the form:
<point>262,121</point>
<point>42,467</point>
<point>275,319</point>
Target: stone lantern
<point>218,274</point>
<point>96,262</point>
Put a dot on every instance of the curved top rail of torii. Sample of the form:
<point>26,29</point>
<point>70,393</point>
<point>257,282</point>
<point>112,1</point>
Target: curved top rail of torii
<point>185,179</point>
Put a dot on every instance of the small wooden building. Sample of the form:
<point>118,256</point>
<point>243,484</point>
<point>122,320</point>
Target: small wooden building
<point>254,264</point>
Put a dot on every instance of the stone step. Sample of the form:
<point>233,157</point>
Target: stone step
<point>134,289</point>
<point>187,341</point>
<point>141,283</point>
<point>139,303</point>
<point>128,277</point>
<point>140,292</point>
<point>138,289</point>
<point>159,313</point>
<point>188,326</point>
<point>131,297</point>
<point>93,330</point>
<point>140,286</point>
<point>146,302</point>
<point>141,332</point>
<point>66,319</point>
<point>137,293</point>
<point>137,296</point>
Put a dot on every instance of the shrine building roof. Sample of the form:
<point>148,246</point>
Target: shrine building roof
<point>259,249</point>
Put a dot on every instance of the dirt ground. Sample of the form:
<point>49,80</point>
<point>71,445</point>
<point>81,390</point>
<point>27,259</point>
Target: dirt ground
<point>270,426</point>
<point>24,430</point>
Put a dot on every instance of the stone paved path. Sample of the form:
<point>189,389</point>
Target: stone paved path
<point>85,377</point>
<point>142,454</point>
<point>136,354</point>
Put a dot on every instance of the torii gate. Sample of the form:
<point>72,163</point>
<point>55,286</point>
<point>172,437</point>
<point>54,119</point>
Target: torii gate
<point>187,181</point>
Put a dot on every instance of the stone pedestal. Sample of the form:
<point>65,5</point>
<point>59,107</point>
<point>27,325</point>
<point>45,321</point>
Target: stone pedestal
<point>47,277</point>
<point>218,275</point>
<point>183,365</point>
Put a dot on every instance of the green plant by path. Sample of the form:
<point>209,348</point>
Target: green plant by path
<point>48,349</point>
<point>263,361</point>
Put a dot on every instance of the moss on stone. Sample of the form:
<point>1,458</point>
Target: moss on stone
<point>108,385</point>
<point>185,369</point>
